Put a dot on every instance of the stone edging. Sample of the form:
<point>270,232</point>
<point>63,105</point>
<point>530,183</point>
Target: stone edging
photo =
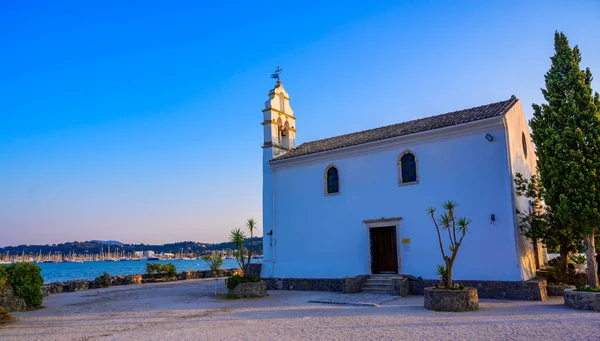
<point>533,290</point>
<point>104,282</point>
<point>582,300</point>
<point>348,285</point>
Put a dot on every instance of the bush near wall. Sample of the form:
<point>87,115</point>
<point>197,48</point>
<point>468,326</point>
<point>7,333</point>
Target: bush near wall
<point>26,281</point>
<point>161,270</point>
<point>234,280</point>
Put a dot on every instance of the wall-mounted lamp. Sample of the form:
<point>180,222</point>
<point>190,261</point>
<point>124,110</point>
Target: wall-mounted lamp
<point>489,137</point>
<point>492,218</point>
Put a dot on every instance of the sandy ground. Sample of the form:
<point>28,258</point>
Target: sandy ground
<point>188,310</point>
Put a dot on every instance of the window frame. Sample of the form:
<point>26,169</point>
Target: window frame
<point>325,182</point>
<point>399,168</point>
<point>524,144</point>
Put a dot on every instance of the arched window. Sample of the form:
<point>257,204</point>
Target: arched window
<point>524,141</point>
<point>332,180</point>
<point>407,169</point>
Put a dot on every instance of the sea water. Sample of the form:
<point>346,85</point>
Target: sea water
<point>67,271</point>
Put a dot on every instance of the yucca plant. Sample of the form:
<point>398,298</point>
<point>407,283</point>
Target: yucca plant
<point>457,229</point>
<point>251,225</point>
<point>238,238</point>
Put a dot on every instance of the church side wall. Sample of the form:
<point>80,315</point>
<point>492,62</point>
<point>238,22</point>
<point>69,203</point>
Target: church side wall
<point>319,236</point>
<point>517,127</point>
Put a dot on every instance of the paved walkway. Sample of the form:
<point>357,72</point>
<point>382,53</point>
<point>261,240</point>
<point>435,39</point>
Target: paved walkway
<point>188,310</point>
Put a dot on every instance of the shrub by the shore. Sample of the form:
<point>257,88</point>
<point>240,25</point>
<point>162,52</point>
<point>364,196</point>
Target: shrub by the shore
<point>26,281</point>
<point>162,270</point>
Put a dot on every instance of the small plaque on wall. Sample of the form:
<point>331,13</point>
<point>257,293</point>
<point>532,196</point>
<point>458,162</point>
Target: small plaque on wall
<point>405,241</point>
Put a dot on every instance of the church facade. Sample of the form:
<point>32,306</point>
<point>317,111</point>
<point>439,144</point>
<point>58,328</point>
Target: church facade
<point>356,204</point>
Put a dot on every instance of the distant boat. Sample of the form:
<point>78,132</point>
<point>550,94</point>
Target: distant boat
<point>152,258</point>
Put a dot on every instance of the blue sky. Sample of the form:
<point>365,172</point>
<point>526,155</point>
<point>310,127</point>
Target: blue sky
<point>140,120</point>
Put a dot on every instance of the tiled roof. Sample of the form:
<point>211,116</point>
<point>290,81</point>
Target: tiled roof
<point>402,129</point>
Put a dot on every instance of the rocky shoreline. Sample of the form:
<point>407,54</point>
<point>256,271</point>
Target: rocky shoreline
<point>106,280</point>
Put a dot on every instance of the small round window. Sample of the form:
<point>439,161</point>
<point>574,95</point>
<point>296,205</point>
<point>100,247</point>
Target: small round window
<point>524,141</point>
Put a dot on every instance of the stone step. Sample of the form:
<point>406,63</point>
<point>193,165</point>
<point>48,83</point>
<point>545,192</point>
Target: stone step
<point>377,291</point>
<point>379,284</point>
<point>384,288</point>
<point>380,279</point>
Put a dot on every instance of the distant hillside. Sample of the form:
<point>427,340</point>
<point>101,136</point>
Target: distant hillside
<point>107,242</point>
<point>94,247</point>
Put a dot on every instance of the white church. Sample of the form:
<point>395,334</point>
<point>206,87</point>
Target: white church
<point>356,204</point>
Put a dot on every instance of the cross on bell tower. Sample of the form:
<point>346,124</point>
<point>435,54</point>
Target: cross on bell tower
<point>277,74</point>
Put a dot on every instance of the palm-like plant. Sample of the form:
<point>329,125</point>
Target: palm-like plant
<point>251,225</point>
<point>237,237</point>
<point>457,229</point>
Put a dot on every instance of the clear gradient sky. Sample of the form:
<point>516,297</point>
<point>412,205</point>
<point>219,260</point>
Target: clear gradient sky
<point>140,120</point>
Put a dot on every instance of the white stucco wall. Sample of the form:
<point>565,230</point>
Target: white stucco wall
<point>318,236</point>
<point>516,125</point>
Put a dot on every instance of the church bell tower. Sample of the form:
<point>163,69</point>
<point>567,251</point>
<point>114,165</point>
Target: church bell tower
<point>279,125</point>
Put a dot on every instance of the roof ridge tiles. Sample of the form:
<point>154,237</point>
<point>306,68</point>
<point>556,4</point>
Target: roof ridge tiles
<point>402,129</point>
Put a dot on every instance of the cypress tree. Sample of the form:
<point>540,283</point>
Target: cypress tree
<point>566,132</point>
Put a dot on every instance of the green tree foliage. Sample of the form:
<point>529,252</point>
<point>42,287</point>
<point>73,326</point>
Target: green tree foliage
<point>26,281</point>
<point>234,280</point>
<point>566,132</point>
<point>214,261</point>
<point>237,237</point>
<point>80,248</point>
<point>539,224</point>
<point>161,270</point>
<point>457,228</point>
<point>251,226</point>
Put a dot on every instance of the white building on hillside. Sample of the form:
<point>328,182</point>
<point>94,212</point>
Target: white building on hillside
<point>356,204</point>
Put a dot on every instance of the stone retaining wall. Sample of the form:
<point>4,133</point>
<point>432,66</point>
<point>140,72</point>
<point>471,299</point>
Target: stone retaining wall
<point>306,284</point>
<point>558,290</point>
<point>582,300</point>
<point>349,285</point>
<point>107,281</point>
<point>534,290</point>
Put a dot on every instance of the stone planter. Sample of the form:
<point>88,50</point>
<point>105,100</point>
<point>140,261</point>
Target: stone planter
<point>582,300</point>
<point>255,289</point>
<point>451,300</point>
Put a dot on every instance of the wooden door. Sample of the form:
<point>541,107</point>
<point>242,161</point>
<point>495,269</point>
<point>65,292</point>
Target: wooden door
<point>384,257</point>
